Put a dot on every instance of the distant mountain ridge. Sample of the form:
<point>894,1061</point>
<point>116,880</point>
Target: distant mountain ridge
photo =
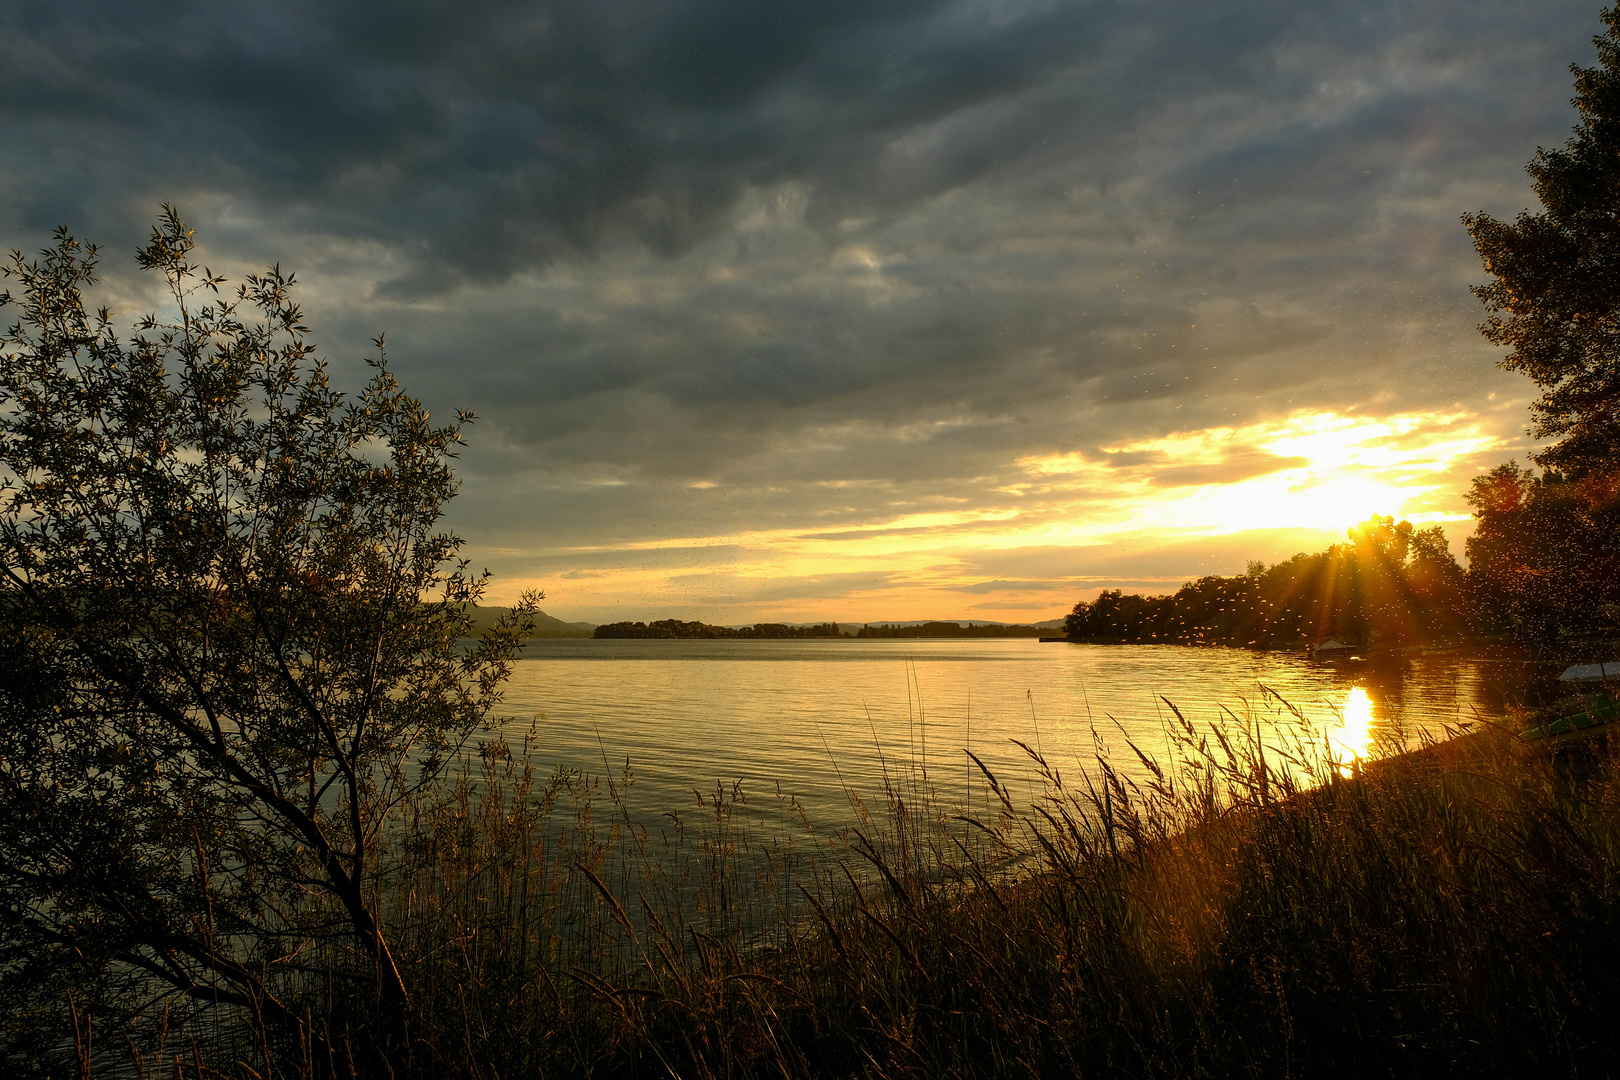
<point>545,626</point>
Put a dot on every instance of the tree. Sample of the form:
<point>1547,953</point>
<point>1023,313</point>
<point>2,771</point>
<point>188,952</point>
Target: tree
<point>1390,584</point>
<point>1556,298</point>
<point>232,629</point>
<point>1435,579</point>
<point>1540,559</point>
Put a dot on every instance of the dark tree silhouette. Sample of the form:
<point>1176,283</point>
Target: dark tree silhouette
<point>1546,555</point>
<point>1389,585</point>
<point>1556,298</point>
<point>230,622</point>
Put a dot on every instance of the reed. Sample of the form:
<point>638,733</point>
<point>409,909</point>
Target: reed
<point>1237,908</point>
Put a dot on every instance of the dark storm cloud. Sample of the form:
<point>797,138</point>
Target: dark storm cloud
<point>485,138</point>
<point>844,261</point>
<point>492,137</point>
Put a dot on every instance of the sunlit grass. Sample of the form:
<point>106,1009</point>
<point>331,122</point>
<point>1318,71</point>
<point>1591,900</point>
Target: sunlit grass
<point>1225,909</point>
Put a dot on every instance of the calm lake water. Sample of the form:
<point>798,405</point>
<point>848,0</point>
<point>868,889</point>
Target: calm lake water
<point>818,718</point>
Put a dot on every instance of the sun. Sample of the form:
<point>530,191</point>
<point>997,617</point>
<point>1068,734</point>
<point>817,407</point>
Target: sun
<point>1336,504</point>
<point>1321,471</point>
<point>1302,498</point>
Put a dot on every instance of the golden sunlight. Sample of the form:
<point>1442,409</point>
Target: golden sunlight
<point>1313,470</point>
<point>1351,739</point>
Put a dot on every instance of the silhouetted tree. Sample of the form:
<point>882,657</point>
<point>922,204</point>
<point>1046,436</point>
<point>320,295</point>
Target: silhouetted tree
<point>1540,559</point>
<point>230,621</point>
<point>1390,584</point>
<point>1546,551</point>
<point>1556,298</point>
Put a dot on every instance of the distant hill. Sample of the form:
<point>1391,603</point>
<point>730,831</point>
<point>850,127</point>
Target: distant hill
<point>545,626</point>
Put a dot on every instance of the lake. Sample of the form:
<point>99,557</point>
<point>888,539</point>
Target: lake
<point>817,719</point>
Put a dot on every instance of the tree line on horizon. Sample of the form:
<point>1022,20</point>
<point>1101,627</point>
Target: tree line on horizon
<point>677,628</point>
<point>950,630</point>
<point>1542,563</point>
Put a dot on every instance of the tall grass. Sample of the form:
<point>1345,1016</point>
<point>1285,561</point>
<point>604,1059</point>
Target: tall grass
<point>1238,908</point>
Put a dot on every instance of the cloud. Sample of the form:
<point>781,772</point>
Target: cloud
<point>1012,586</point>
<point>1240,466</point>
<point>734,588</point>
<point>824,268</point>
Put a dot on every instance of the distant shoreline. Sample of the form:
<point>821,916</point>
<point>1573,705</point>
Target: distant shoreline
<point>676,629</point>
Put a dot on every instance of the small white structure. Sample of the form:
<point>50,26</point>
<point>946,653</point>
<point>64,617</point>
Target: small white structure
<point>1592,672</point>
<point>1331,646</point>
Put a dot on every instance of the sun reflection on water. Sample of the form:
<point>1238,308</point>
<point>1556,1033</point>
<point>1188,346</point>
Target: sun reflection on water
<point>1352,737</point>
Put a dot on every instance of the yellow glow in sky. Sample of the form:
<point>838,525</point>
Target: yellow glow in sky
<point>1314,470</point>
<point>1311,474</point>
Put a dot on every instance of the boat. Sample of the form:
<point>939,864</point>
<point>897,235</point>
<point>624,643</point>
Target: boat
<point>1605,672</point>
<point>1602,709</point>
<point>1333,649</point>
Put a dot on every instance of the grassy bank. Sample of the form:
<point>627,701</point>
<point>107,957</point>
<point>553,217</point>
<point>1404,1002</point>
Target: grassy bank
<point>1241,911</point>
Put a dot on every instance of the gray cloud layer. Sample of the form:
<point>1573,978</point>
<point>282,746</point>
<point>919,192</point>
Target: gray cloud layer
<point>841,260</point>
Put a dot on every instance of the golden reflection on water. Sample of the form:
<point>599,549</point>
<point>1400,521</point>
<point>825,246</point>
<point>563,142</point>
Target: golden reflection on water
<point>1351,738</point>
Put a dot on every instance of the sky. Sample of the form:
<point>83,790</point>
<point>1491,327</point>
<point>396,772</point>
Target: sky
<point>829,310</point>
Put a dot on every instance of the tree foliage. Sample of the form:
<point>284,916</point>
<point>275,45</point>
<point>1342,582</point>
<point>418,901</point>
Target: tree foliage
<point>1555,302</point>
<point>232,624</point>
<point>1545,555</point>
<point>1389,583</point>
<point>1540,561</point>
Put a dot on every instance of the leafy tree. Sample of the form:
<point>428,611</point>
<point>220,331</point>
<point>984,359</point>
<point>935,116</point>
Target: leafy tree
<point>231,623</point>
<point>1556,298</point>
<point>1540,559</point>
<point>1390,584</point>
<point>1435,581</point>
<point>1545,556</point>
<point>1502,490</point>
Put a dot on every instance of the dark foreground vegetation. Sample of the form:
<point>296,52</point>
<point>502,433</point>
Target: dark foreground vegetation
<point>1456,910</point>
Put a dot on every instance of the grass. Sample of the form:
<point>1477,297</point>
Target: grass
<point>1237,910</point>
